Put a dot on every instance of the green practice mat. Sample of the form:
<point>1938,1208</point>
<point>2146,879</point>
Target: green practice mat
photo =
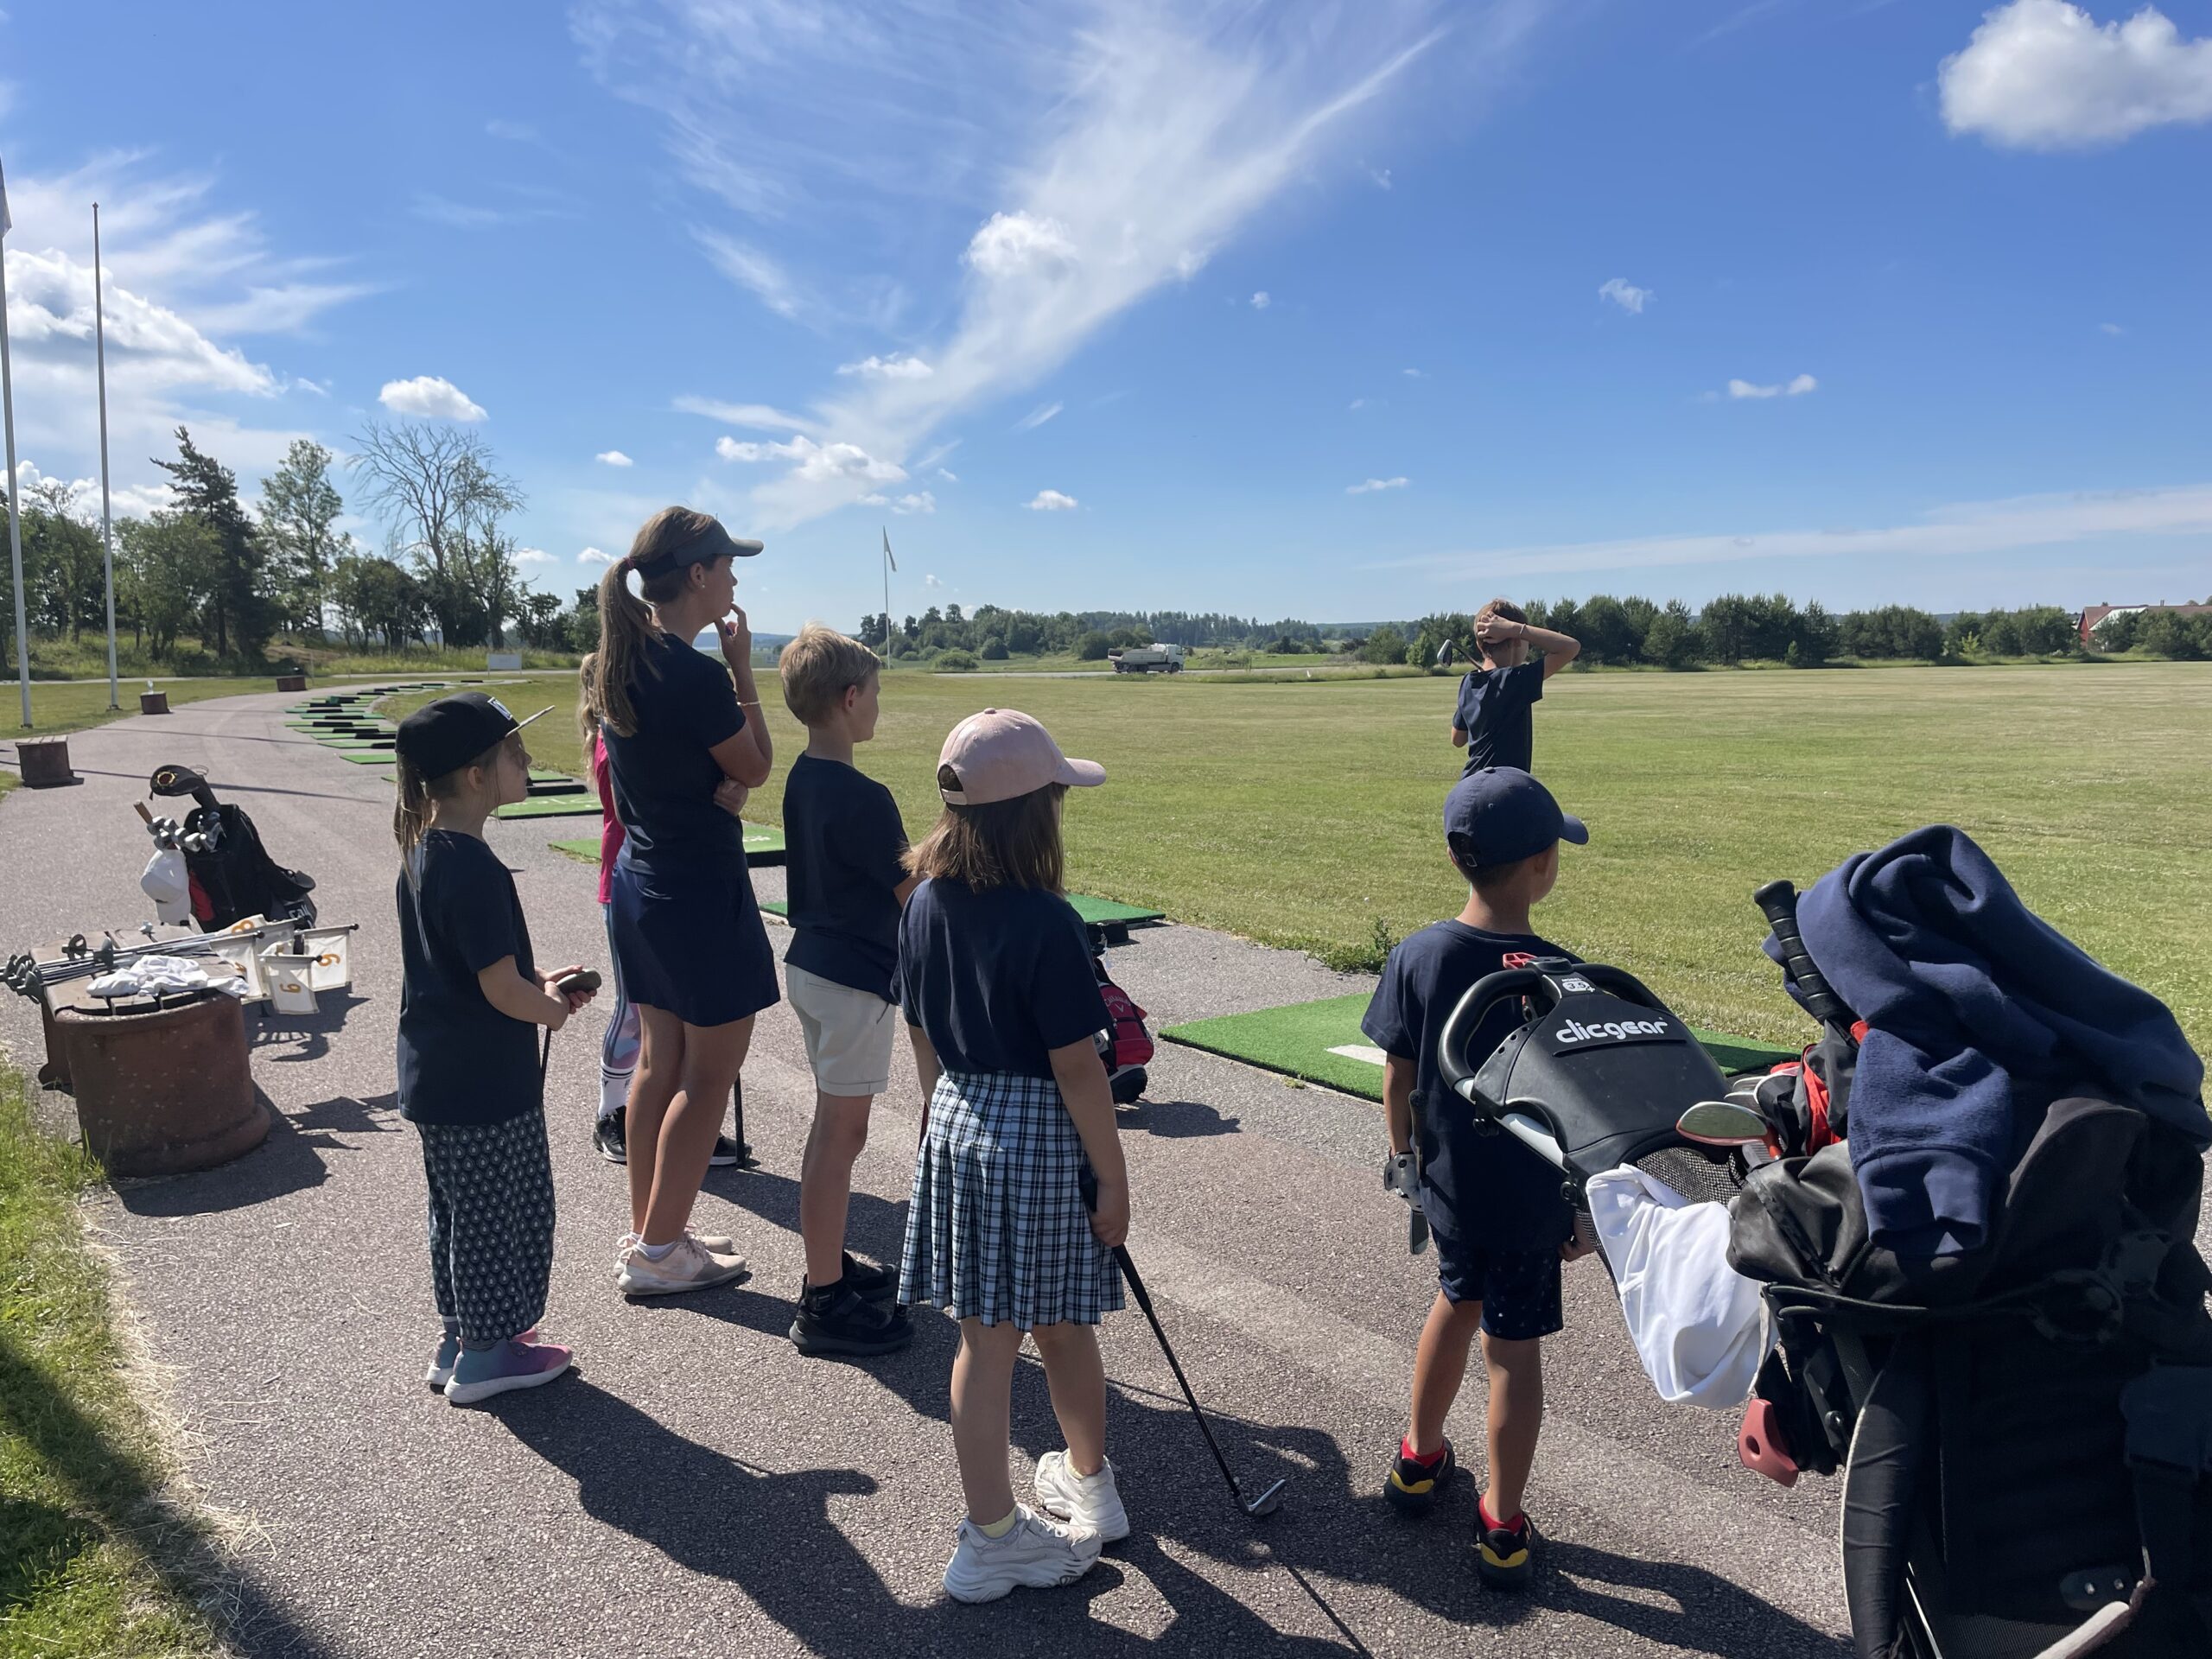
<point>368,757</point>
<point>583,804</point>
<point>1322,1042</point>
<point>762,840</point>
<point>1104,912</point>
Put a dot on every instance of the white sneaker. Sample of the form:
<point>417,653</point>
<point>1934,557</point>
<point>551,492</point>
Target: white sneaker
<point>713,1243</point>
<point>1091,1505</point>
<point>1036,1553</point>
<point>688,1266</point>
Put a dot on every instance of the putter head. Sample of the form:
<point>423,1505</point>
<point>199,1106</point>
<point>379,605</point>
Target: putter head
<point>1721,1123</point>
<point>1268,1502</point>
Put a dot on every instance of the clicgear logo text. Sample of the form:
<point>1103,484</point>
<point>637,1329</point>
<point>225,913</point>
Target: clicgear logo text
<point>1612,1031</point>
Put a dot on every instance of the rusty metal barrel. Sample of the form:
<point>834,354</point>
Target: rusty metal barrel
<point>164,1091</point>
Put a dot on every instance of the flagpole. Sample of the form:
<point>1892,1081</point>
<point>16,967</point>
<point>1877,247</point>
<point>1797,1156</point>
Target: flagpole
<point>107,517</point>
<point>15,490</point>
<point>889,565</point>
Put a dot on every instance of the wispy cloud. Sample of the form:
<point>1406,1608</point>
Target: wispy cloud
<point>816,463</point>
<point>759,418</point>
<point>899,366</point>
<point>1375,484</point>
<point>1796,388</point>
<point>1261,301</point>
<point>593,556</point>
<point>918,501</point>
<point>1036,417</point>
<point>2112,328</point>
<point>1098,153</point>
<point>1051,501</point>
<point>1625,294</point>
<point>517,132</point>
<point>1966,530</point>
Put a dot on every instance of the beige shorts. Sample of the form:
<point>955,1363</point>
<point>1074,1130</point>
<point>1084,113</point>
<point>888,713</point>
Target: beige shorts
<point>848,1033</point>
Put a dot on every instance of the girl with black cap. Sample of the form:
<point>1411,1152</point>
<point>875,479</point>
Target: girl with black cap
<point>688,942</point>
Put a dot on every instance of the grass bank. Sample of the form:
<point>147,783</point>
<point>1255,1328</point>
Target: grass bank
<point>93,1559</point>
<point>1305,814</point>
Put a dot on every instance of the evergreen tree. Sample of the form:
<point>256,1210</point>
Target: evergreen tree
<point>300,508</point>
<point>237,613</point>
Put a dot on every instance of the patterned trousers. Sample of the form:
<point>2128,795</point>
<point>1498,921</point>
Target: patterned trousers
<point>491,1224</point>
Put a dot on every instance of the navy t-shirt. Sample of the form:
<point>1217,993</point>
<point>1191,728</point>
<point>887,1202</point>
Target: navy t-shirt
<point>664,777</point>
<point>1482,1188</point>
<point>1497,710</point>
<point>843,836</point>
<point>460,1059</point>
<point>996,980</point>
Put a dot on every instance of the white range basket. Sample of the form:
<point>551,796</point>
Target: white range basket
<point>290,977</point>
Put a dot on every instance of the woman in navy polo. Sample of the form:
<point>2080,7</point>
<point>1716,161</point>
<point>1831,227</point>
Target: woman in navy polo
<point>688,937</point>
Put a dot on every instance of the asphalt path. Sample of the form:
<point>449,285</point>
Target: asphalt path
<point>699,1488</point>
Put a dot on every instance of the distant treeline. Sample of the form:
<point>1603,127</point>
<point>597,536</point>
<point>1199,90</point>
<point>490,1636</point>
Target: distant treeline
<point>993,634</point>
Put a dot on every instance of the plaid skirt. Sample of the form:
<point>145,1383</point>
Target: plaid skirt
<point>997,1231</point>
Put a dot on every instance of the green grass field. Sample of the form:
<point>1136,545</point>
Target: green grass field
<point>1305,814</point>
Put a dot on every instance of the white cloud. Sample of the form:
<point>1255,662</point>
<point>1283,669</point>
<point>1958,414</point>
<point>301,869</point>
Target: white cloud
<point>429,397</point>
<point>81,496</point>
<point>815,463</point>
<point>593,556</point>
<point>1036,417</point>
<point>1011,245</point>
<point>2112,328</point>
<point>1625,294</point>
<point>1114,150</point>
<point>903,367</point>
<point>535,556</point>
<point>1356,404</point>
<point>919,501</point>
<point>752,270</point>
<point>614,458</point>
<point>1415,374</point>
<point>1051,501</point>
<point>50,314</point>
<point>1796,388</point>
<point>1375,484</point>
<point>948,476</point>
<point>760,417</point>
<point>1261,301</point>
<point>2043,74</point>
<point>931,582</point>
<point>1970,529</point>
<point>1381,175</point>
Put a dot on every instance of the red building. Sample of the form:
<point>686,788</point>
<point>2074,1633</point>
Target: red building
<point>2096,613</point>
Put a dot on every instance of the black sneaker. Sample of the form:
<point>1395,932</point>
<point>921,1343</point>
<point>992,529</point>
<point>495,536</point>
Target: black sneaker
<point>610,1136</point>
<point>727,1152</point>
<point>874,1284</point>
<point>1504,1556</point>
<point>838,1320</point>
<point>1413,1487</point>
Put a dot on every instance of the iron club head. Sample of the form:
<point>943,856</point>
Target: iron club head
<point>1268,1502</point>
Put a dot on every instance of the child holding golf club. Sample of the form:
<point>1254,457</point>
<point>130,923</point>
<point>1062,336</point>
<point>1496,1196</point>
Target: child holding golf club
<point>847,885</point>
<point>996,983</point>
<point>1495,720</point>
<point>470,1077</point>
<point>1494,1209</point>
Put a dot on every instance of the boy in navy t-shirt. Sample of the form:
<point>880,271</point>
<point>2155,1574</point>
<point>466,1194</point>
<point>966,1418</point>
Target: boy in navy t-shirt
<point>846,884</point>
<point>1495,719</point>
<point>1493,1207</point>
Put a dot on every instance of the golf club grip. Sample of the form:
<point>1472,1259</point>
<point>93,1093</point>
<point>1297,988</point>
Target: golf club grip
<point>1777,901</point>
<point>584,979</point>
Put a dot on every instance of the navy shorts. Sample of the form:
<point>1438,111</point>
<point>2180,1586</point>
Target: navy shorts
<point>695,947</point>
<point>1518,1289</point>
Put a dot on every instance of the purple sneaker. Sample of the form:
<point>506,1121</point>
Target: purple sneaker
<point>480,1373</point>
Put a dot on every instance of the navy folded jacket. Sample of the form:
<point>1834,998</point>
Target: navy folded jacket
<point>1973,1003</point>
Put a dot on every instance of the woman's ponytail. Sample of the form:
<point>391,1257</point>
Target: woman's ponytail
<point>625,622</point>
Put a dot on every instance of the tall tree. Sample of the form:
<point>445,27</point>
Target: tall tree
<point>166,568</point>
<point>437,490</point>
<point>300,509</point>
<point>237,612</point>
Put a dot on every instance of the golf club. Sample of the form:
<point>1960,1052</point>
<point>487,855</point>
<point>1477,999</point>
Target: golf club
<point>584,979</point>
<point>1452,651</point>
<point>1269,1501</point>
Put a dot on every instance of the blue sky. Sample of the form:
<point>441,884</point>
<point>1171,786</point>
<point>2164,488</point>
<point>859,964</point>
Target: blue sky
<point>1339,311</point>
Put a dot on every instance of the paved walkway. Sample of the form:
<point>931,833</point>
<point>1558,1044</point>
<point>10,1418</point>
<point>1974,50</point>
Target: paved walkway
<point>700,1490</point>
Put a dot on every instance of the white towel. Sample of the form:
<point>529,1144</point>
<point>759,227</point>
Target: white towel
<point>1698,1325</point>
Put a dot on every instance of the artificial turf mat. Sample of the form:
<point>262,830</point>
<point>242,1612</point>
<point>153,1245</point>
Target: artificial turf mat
<point>1302,1039</point>
<point>763,842</point>
<point>581,804</point>
<point>1102,912</point>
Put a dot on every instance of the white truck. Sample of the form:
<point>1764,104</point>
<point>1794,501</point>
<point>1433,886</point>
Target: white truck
<point>1147,659</point>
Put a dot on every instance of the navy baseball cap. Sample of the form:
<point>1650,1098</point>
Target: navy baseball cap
<point>446,735</point>
<point>711,543</point>
<point>1501,815</point>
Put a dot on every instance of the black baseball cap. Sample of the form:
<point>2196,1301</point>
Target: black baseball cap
<point>711,543</point>
<point>446,735</point>
<point>1501,815</point>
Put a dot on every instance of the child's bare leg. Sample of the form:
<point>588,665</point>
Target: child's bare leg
<point>1517,1417</point>
<point>1439,1366</point>
<point>652,1086</point>
<point>825,1182</point>
<point>983,1388</point>
<point>1077,1377</point>
<point>712,1057</point>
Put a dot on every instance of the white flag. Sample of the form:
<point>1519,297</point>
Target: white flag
<point>886,534</point>
<point>6,223</point>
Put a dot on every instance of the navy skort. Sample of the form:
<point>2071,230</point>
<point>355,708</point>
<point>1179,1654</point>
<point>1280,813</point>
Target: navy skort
<point>694,945</point>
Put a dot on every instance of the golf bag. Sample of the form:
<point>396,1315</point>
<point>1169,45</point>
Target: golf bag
<point>1126,1045</point>
<point>2024,1429</point>
<point>232,874</point>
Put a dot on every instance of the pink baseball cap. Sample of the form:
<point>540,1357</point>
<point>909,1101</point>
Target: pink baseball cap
<point>1000,755</point>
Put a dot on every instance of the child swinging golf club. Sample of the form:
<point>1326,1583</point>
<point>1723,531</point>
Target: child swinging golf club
<point>470,1079</point>
<point>996,981</point>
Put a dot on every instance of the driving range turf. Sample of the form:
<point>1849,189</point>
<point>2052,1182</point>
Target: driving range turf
<point>1305,814</point>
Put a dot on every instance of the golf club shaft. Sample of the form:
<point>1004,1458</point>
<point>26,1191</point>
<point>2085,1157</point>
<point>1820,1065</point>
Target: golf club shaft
<point>1144,1300</point>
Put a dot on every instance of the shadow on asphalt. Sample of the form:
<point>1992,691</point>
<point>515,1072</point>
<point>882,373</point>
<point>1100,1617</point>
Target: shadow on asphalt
<point>1176,1120</point>
<point>1335,1526</point>
<point>290,1160</point>
<point>309,1032</point>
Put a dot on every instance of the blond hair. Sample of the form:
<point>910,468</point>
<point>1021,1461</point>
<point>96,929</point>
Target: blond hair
<point>818,667</point>
<point>587,701</point>
<point>626,625</point>
<point>1013,844</point>
<point>410,817</point>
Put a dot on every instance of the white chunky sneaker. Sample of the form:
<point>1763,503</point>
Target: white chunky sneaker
<point>1091,1505</point>
<point>688,1266</point>
<point>1036,1553</point>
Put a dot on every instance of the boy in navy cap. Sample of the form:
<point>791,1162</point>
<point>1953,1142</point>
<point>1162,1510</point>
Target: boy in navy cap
<point>1501,1227</point>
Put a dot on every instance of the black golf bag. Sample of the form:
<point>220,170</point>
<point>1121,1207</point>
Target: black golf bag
<point>233,875</point>
<point>2022,1428</point>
